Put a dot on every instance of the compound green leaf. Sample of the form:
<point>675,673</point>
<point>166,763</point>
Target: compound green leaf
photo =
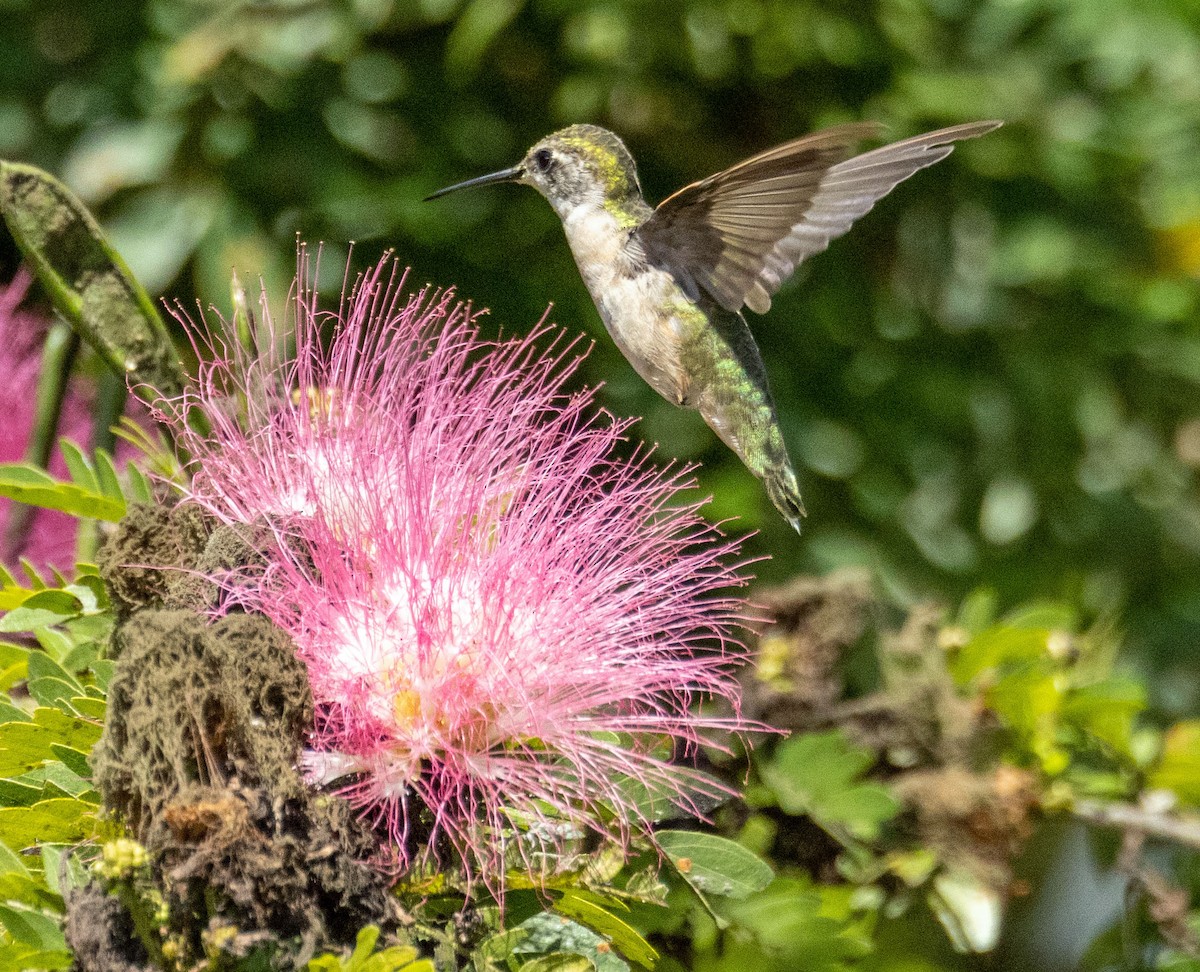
<point>36,487</point>
<point>41,610</point>
<point>819,774</point>
<point>32,928</point>
<point>57,821</point>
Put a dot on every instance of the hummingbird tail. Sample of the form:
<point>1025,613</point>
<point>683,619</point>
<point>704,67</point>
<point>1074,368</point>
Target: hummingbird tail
<point>784,492</point>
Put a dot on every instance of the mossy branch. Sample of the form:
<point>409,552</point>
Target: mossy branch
<point>87,280</point>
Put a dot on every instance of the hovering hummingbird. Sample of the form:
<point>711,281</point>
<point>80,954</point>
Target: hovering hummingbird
<point>670,283</point>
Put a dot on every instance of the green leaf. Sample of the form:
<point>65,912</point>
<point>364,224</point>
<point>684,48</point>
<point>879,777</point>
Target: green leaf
<point>32,928</point>
<point>28,484</point>
<point>1178,768</point>
<point>78,466</point>
<point>41,610</point>
<point>41,665</point>
<point>138,489</point>
<point>106,475</point>
<point>787,928</point>
<point>662,799</point>
<point>86,278</point>
<point>559,962</point>
<point>978,610</point>
<point>25,745</point>
<point>72,730</point>
<point>14,793</point>
<point>714,865</point>
<point>996,647</point>
<point>52,692</point>
<point>397,958</point>
<point>10,713</point>
<point>62,869</point>
<point>80,658</point>
<point>1044,615</point>
<point>819,774</point>
<point>10,653</point>
<point>1029,699</point>
<point>1107,710</point>
<point>35,578</point>
<point>623,936</point>
<point>102,671</point>
<point>55,821</point>
<point>475,28</point>
<point>11,676</point>
<point>11,863</point>
<point>90,708</point>
<point>73,759</point>
<point>29,890</point>
<point>49,682</point>
<point>91,593</point>
<point>13,596</point>
<point>364,945</point>
<point>969,909</point>
<point>548,933</point>
<point>18,958</point>
<point>56,643</point>
<point>57,781</point>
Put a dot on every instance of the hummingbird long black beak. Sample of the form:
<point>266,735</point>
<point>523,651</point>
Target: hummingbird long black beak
<point>504,175</point>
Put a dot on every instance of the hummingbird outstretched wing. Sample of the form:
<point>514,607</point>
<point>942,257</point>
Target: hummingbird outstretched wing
<point>739,234</point>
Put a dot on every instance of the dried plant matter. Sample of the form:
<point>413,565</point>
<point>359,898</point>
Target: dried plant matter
<point>198,757</point>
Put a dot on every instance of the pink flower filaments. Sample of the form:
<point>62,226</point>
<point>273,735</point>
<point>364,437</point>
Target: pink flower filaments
<point>52,535</point>
<point>505,624</point>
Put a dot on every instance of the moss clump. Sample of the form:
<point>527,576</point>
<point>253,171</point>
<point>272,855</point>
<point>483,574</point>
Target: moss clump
<point>101,933</point>
<point>152,550</point>
<point>193,703</point>
<point>206,720</point>
<point>166,556</point>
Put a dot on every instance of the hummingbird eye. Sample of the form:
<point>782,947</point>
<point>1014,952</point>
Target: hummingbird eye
<point>542,159</point>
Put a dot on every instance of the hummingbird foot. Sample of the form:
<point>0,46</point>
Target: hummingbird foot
<point>784,491</point>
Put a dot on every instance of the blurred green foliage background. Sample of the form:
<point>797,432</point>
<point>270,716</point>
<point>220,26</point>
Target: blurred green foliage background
<point>992,381</point>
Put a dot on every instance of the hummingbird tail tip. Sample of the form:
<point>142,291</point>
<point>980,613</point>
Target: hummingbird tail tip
<point>785,495</point>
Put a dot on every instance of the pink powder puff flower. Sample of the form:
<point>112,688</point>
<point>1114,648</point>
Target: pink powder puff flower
<point>504,622</point>
<point>52,535</point>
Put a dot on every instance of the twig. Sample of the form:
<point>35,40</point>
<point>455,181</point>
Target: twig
<point>1153,822</point>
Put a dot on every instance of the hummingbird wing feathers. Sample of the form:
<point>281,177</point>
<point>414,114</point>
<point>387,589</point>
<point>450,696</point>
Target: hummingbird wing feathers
<point>716,234</point>
<point>739,234</point>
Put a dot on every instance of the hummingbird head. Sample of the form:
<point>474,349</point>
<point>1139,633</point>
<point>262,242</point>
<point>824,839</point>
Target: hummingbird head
<point>578,165</point>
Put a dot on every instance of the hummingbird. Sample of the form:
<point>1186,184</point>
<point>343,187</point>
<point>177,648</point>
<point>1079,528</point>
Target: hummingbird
<point>672,283</point>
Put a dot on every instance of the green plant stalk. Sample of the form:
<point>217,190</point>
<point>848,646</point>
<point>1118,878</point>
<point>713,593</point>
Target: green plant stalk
<point>110,405</point>
<point>144,923</point>
<point>58,357</point>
